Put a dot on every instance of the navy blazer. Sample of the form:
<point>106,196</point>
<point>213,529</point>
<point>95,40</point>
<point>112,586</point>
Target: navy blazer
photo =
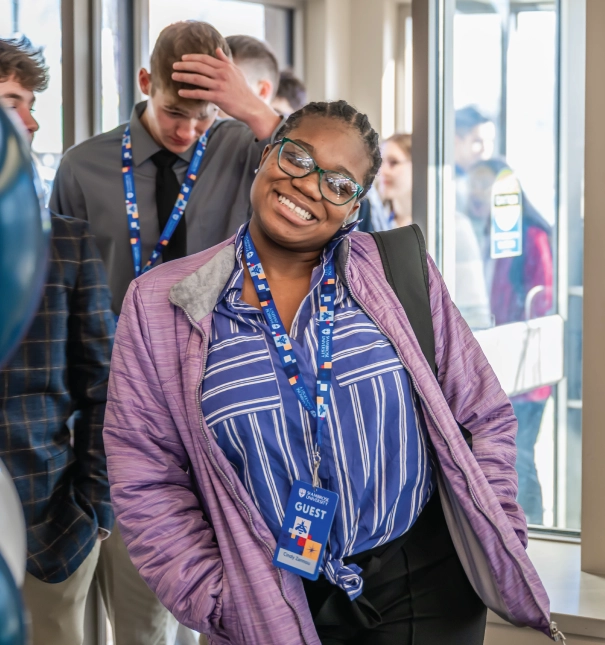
<point>61,369</point>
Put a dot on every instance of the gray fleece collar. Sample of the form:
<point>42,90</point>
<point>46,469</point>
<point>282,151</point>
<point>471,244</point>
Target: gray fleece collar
<point>198,293</point>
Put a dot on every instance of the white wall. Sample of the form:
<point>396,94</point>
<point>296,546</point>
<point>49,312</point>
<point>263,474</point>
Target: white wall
<point>350,50</point>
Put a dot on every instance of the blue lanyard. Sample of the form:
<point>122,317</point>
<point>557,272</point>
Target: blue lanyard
<point>178,209</point>
<point>319,409</point>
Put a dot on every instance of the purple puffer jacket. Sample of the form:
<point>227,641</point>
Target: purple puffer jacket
<point>191,528</point>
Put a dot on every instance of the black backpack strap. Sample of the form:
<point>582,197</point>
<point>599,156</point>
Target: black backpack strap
<point>403,254</point>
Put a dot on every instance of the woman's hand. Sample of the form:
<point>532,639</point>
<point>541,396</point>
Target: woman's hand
<point>221,82</point>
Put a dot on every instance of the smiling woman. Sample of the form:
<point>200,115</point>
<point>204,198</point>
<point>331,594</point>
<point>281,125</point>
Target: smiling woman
<point>288,176</point>
<point>209,460</point>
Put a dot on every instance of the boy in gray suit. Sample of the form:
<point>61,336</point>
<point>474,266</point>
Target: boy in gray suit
<point>191,76</point>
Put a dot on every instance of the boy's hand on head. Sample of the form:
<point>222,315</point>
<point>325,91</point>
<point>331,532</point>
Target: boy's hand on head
<point>221,82</point>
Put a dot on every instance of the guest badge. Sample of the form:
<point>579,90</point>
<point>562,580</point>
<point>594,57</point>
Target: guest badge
<point>305,530</point>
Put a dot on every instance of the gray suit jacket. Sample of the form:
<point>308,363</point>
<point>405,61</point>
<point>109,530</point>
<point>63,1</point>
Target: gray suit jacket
<point>89,186</point>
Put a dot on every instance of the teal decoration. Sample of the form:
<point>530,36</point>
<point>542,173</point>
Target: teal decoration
<point>24,237</point>
<point>12,624</point>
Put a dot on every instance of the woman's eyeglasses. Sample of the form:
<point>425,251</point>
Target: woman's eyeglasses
<point>335,187</point>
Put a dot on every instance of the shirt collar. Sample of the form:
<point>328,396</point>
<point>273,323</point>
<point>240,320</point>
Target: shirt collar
<point>143,144</point>
<point>237,278</point>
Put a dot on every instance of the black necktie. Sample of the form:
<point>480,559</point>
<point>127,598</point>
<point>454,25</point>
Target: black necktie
<point>166,191</point>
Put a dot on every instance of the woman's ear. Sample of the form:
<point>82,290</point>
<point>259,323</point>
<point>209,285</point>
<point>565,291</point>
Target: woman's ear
<point>265,154</point>
<point>353,214</point>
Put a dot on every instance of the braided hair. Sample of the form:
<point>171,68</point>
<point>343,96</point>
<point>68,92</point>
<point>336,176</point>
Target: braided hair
<point>348,114</point>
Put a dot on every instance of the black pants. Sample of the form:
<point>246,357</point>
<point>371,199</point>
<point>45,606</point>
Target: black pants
<point>415,593</point>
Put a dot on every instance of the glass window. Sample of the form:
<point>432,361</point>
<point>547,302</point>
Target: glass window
<point>40,21</point>
<point>228,16</point>
<point>110,49</point>
<point>502,229</point>
<point>505,160</point>
<point>117,72</point>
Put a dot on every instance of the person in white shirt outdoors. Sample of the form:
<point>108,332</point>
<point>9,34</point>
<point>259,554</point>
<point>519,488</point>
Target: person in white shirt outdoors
<point>258,63</point>
<point>185,177</point>
<point>291,93</point>
<point>474,140</point>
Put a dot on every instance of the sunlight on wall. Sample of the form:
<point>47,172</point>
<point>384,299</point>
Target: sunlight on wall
<point>228,16</point>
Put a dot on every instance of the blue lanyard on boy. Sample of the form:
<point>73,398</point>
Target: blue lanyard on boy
<point>178,209</point>
<point>318,410</point>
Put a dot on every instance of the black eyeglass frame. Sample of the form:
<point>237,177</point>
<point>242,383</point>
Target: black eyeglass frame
<point>320,171</point>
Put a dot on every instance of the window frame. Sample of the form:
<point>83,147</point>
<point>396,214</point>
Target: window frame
<point>593,438</point>
<point>141,22</point>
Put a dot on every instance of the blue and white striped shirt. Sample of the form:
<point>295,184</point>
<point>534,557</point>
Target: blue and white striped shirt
<point>375,453</point>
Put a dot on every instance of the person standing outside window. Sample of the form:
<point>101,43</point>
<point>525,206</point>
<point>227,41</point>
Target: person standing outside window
<point>474,140</point>
<point>60,371</point>
<point>521,288</point>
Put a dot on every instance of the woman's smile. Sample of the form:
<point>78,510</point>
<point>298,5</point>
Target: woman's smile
<point>293,212</point>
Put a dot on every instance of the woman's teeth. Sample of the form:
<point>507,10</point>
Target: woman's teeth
<point>301,212</point>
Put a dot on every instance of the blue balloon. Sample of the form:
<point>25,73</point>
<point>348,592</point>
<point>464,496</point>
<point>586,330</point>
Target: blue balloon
<point>12,623</point>
<point>13,554</point>
<point>24,238</point>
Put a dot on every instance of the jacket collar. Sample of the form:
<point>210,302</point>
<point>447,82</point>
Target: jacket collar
<point>198,293</point>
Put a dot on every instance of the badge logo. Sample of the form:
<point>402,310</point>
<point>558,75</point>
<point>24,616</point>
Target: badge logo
<point>301,528</point>
<point>301,492</point>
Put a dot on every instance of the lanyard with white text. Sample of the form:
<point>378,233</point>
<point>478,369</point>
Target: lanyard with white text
<point>178,209</point>
<point>284,346</point>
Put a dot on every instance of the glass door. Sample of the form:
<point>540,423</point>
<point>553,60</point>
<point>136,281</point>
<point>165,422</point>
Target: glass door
<point>501,243</point>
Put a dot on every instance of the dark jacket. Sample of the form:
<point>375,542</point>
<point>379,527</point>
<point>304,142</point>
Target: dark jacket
<point>61,368</point>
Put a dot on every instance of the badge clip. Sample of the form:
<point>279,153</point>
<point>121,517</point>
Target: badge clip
<point>316,462</point>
